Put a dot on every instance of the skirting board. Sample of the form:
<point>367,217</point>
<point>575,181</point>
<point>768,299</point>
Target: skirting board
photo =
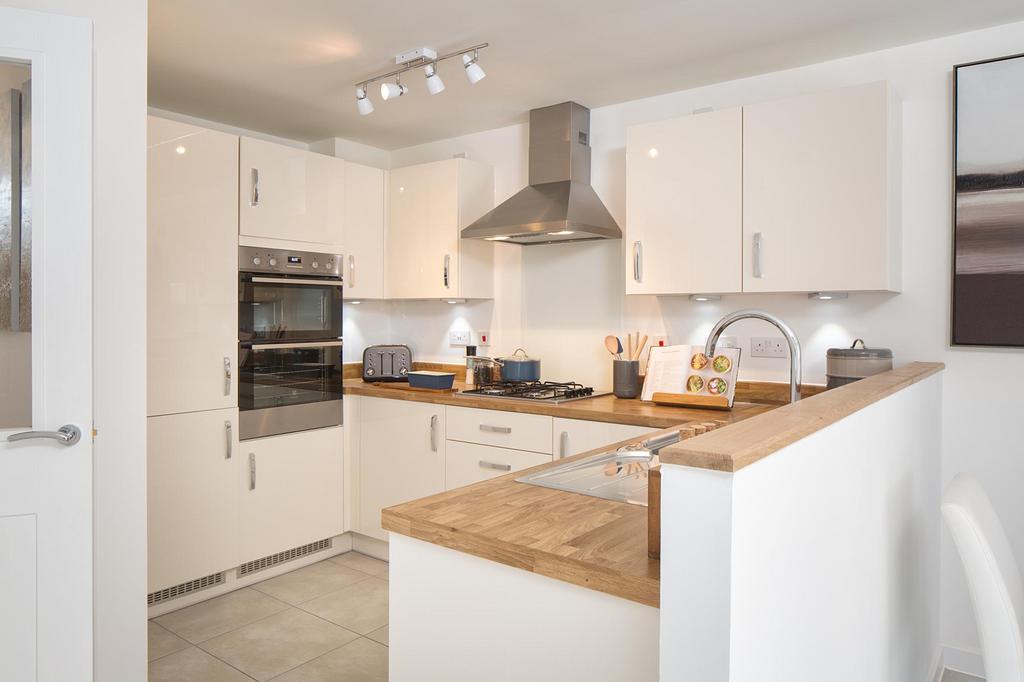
<point>969,662</point>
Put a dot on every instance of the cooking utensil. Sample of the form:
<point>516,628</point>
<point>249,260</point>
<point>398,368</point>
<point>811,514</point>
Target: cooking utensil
<point>629,346</point>
<point>520,367</point>
<point>618,348</point>
<point>626,378</point>
<point>846,365</point>
<point>612,345</point>
<point>640,347</point>
<point>483,370</point>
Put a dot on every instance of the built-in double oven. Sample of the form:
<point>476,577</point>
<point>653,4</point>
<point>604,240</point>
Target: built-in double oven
<point>289,341</point>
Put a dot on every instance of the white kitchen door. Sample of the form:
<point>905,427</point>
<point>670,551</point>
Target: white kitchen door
<point>45,347</point>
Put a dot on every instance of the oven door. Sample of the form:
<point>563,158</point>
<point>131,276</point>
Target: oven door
<point>277,308</point>
<point>288,387</point>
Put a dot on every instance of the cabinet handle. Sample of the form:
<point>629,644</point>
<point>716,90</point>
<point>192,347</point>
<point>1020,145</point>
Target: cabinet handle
<point>351,271</point>
<point>252,471</point>
<point>496,429</point>
<point>447,269</point>
<point>757,271</point>
<point>433,433</point>
<point>228,439</point>
<point>254,176</point>
<point>227,375</point>
<point>563,444</point>
<point>495,465</point>
<point>638,261</point>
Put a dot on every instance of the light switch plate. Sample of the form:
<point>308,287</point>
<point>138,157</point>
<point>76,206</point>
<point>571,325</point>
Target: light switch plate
<point>768,347</point>
<point>459,337</point>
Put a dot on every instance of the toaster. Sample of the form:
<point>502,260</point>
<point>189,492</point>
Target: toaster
<point>387,363</point>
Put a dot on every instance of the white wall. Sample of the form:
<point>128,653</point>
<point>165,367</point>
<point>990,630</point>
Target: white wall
<point>566,313</point>
<point>819,562</point>
<point>119,323</point>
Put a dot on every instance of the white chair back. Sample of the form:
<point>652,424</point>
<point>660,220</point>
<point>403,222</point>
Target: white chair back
<point>992,577</point>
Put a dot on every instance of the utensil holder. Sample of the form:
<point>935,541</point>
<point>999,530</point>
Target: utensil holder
<point>626,378</point>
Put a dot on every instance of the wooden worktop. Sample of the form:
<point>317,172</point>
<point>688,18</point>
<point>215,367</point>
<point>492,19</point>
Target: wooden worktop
<point>743,444</point>
<point>605,408</point>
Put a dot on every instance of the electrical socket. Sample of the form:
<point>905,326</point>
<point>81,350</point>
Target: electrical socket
<point>768,347</point>
<point>483,338</point>
<point>459,337</point>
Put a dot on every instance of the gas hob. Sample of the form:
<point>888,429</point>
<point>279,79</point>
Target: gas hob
<point>535,391</point>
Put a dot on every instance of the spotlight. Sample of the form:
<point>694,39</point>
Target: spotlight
<point>473,71</point>
<point>363,102</point>
<point>434,82</point>
<point>828,295</point>
<point>704,298</point>
<point>392,90</point>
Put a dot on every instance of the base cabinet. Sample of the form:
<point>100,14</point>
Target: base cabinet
<point>466,463</point>
<point>290,490</point>
<point>401,457</point>
<point>193,469</point>
<point>573,436</point>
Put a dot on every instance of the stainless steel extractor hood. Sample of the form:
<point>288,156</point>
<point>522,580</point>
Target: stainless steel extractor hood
<point>558,205</point>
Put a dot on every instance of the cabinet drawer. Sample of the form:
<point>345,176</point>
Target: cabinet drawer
<point>467,463</point>
<point>504,429</point>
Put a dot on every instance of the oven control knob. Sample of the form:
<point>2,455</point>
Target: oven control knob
<point>256,260</point>
<point>272,262</point>
<point>315,265</point>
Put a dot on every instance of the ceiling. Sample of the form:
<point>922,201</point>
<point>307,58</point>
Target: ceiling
<point>287,68</point>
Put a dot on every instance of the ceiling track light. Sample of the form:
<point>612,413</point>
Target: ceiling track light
<point>413,59</point>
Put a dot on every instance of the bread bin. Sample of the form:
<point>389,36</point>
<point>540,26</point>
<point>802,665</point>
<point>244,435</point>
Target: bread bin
<point>846,365</point>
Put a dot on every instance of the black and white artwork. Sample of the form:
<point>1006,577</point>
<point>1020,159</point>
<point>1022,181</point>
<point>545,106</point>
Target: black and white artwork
<point>988,242</point>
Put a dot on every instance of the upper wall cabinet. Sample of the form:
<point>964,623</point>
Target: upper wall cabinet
<point>821,192</point>
<point>363,243</point>
<point>684,212</point>
<point>290,194</point>
<point>429,204</point>
<point>192,281</point>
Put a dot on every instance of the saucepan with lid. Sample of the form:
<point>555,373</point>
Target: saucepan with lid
<point>520,367</point>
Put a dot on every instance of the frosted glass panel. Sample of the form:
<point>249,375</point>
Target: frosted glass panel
<point>15,249</point>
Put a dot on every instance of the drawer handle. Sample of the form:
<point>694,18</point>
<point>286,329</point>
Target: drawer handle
<point>496,429</point>
<point>756,268</point>
<point>228,438</point>
<point>563,444</point>
<point>434,421</point>
<point>495,465</point>
<point>252,471</point>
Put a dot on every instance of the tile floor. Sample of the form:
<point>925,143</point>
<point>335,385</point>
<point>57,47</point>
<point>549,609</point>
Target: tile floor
<point>326,621</point>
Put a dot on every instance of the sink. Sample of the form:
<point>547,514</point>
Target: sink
<point>619,475</point>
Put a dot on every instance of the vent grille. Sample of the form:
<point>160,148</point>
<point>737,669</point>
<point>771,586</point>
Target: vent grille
<point>281,557</point>
<point>185,588</point>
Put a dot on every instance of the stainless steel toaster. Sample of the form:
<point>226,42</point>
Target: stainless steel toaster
<point>387,363</point>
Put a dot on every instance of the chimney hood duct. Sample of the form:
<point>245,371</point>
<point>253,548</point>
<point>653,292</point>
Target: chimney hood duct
<point>558,205</point>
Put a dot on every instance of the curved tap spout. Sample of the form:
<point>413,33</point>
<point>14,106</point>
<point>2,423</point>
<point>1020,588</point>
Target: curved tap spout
<point>794,343</point>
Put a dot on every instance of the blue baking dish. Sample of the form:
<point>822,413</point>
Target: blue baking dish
<point>441,381</point>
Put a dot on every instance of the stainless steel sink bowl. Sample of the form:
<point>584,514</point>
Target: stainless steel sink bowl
<point>619,475</point>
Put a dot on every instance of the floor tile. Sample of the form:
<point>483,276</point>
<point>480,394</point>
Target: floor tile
<point>362,607</point>
<point>954,676</point>
<point>193,665</point>
<point>221,614</point>
<point>360,661</point>
<point>278,643</point>
<point>380,635</point>
<point>310,581</point>
<point>361,562</point>
<point>163,642</point>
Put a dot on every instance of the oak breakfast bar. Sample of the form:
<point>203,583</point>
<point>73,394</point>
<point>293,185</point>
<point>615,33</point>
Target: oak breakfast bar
<point>777,542</point>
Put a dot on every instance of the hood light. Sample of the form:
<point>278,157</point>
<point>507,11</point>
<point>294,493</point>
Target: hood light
<point>560,233</point>
<point>497,239</point>
<point>453,301</point>
<point>355,302</point>
<point>828,295</point>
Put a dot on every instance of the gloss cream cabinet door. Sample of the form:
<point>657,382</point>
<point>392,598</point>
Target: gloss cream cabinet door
<point>194,463</point>
<point>363,244</point>
<point>401,456</point>
<point>290,194</point>
<point>192,271</point>
<point>684,204</point>
<point>573,436</point>
<point>821,192</point>
<point>291,491</point>
<point>467,463</point>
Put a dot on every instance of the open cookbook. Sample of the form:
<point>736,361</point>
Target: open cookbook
<point>684,375</point>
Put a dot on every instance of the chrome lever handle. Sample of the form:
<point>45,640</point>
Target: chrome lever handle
<point>434,420</point>
<point>252,471</point>
<point>447,270</point>
<point>227,375</point>
<point>638,261</point>
<point>227,436</point>
<point>563,445</point>
<point>351,271</point>
<point>69,434</point>
<point>757,271</point>
<point>497,466</point>
<point>254,199</point>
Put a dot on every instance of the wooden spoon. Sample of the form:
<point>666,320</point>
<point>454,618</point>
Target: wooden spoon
<point>613,345</point>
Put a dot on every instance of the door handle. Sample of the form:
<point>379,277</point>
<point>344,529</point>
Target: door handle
<point>756,265</point>
<point>227,436</point>
<point>252,471</point>
<point>495,465</point>
<point>447,270</point>
<point>69,434</point>
<point>433,432</point>
<point>254,176</point>
<point>638,261</point>
<point>496,429</point>
<point>227,375</point>
<point>563,444</point>
<point>351,271</point>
